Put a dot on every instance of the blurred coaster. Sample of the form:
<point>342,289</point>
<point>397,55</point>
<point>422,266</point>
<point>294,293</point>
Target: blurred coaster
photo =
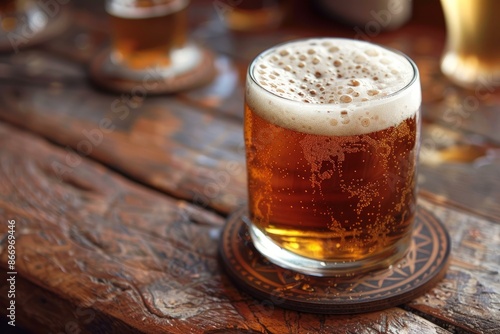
<point>35,27</point>
<point>424,265</point>
<point>194,66</point>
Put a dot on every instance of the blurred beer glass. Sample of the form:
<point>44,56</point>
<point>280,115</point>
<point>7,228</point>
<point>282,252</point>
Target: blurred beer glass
<point>147,32</point>
<point>372,16</point>
<point>251,15</point>
<point>22,19</point>
<point>472,52</point>
<point>8,10</point>
<point>331,137</point>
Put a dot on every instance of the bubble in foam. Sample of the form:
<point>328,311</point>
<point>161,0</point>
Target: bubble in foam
<point>354,83</point>
<point>360,59</point>
<point>284,53</point>
<point>345,99</point>
<point>372,52</point>
<point>330,73</point>
<point>333,49</point>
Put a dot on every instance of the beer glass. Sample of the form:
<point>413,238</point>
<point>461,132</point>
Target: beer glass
<point>472,52</point>
<point>7,15</point>
<point>331,135</point>
<point>20,21</point>
<point>252,15</point>
<point>147,33</point>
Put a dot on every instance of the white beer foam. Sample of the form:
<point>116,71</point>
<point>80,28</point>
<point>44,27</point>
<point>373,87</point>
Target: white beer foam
<point>128,9</point>
<point>333,86</point>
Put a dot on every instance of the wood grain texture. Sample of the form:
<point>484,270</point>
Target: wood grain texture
<point>109,255</point>
<point>179,148</point>
<point>119,199</point>
<point>468,298</point>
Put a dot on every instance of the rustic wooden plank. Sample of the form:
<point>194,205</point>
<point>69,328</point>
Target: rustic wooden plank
<point>177,147</point>
<point>468,298</point>
<point>99,253</point>
<point>39,310</point>
<point>460,169</point>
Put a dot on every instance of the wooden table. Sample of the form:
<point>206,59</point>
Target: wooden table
<point>118,199</point>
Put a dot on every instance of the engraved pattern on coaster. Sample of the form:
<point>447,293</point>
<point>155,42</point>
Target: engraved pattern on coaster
<point>422,267</point>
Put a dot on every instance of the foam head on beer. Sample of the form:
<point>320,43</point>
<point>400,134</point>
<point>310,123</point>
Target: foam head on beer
<point>333,87</point>
<point>144,9</point>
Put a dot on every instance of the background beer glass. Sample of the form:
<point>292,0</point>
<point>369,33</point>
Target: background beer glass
<point>20,20</point>
<point>331,135</point>
<point>147,32</point>
<point>252,15</point>
<point>472,52</point>
<point>7,15</point>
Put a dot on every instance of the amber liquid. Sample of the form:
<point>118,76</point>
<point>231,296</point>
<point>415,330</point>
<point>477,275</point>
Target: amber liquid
<point>472,53</point>
<point>146,39</point>
<point>8,20</point>
<point>253,15</point>
<point>332,197</point>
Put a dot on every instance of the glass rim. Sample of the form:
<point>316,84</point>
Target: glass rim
<point>129,10</point>
<point>385,98</point>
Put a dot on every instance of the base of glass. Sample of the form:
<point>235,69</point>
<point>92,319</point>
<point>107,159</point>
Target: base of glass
<point>262,19</point>
<point>182,60</point>
<point>423,266</point>
<point>331,268</point>
<point>191,66</point>
<point>470,74</point>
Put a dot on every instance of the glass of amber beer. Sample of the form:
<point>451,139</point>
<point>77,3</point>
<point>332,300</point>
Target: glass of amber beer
<point>148,33</point>
<point>331,138</point>
<point>472,53</point>
<point>20,22</point>
<point>253,15</point>
<point>7,15</point>
<point>151,49</point>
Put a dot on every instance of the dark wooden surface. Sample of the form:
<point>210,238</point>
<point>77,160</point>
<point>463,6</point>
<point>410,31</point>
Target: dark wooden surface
<point>119,199</point>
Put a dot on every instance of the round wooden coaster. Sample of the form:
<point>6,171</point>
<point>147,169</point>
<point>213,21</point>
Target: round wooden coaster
<point>149,81</point>
<point>424,265</point>
<point>26,36</point>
